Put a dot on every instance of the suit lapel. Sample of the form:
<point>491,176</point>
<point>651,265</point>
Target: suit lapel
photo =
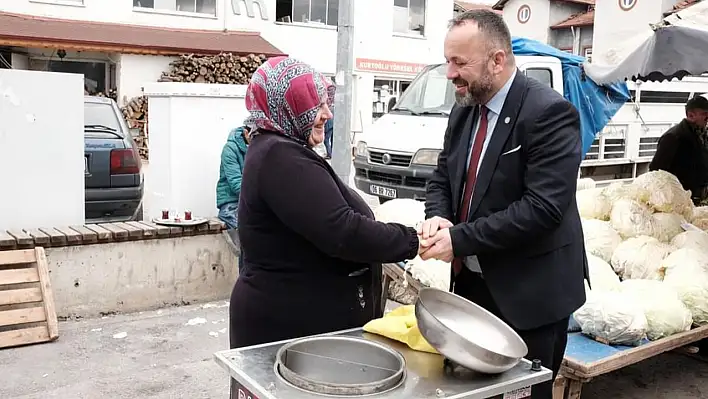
<point>459,160</point>
<point>502,130</point>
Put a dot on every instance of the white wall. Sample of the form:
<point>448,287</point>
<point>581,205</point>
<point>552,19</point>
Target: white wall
<point>135,71</point>
<point>41,149</point>
<point>189,124</point>
<point>619,26</point>
<point>537,26</point>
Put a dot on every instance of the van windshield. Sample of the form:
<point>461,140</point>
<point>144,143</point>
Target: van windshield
<point>429,93</point>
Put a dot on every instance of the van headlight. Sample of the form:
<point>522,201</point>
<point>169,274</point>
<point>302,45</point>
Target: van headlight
<point>361,149</point>
<point>426,157</point>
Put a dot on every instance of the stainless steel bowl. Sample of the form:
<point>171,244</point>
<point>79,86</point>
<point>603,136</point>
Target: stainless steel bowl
<point>466,333</point>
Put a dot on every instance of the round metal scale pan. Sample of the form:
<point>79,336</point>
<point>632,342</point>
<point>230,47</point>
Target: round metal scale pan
<point>340,366</point>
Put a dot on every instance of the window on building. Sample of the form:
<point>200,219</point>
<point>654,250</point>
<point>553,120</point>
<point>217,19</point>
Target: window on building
<point>409,16</point>
<point>5,59</point>
<point>194,6</point>
<point>543,75</point>
<point>323,12</point>
<point>664,97</point>
<point>96,73</point>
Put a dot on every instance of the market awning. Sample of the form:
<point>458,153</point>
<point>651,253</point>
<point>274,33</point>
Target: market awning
<point>28,31</point>
<point>670,49</point>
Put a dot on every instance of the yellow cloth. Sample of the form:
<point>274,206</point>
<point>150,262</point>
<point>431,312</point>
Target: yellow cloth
<point>400,325</point>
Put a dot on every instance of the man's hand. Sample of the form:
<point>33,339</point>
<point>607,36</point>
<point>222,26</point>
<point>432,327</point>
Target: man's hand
<point>438,246</point>
<point>431,226</point>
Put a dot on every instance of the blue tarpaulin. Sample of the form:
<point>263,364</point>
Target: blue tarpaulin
<point>596,104</point>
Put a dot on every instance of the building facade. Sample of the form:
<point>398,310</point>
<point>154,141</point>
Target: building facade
<point>564,24</point>
<point>123,44</point>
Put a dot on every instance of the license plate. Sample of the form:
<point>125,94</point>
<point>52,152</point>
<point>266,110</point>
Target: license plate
<point>519,393</point>
<point>382,191</point>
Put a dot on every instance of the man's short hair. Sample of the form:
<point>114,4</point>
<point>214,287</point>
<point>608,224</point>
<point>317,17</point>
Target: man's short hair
<point>491,24</point>
<point>697,103</point>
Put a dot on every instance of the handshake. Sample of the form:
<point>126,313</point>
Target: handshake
<point>434,239</point>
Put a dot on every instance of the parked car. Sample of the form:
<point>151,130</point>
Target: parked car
<point>114,182</point>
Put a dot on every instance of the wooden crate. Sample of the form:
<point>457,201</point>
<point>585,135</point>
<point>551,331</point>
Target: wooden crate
<point>27,313</point>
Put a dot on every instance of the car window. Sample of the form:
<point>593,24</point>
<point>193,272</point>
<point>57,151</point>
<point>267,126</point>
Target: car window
<point>543,75</point>
<point>101,114</point>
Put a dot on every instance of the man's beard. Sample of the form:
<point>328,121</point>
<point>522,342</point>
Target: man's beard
<point>477,91</point>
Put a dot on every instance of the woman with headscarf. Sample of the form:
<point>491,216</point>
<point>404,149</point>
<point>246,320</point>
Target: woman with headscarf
<point>314,251</point>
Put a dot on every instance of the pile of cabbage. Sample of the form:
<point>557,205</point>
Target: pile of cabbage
<point>648,266</point>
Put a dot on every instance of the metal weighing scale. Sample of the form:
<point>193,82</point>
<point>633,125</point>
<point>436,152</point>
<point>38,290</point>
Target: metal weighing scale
<point>356,364</point>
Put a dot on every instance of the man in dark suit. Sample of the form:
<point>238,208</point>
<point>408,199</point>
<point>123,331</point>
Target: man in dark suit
<point>682,150</point>
<point>501,204</point>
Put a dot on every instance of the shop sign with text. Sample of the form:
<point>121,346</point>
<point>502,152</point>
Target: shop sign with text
<point>365,64</point>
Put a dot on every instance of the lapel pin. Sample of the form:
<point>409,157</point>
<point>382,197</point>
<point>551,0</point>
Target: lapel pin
<point>507,120</point>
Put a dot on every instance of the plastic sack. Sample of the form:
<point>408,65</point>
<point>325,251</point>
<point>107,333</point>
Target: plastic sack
<point>690,280</point>
<point>667,226</point>
<point>400,325</point>
<point>697,240</point>
<point>593,204</point>
<point>613,317</point>
<point>640,258</point>
<point>602,277</point>
<point>601,239</point>
<point>665,312</point>
<point>663,192</point>
<point>405,211</point>
<point>432,272</point>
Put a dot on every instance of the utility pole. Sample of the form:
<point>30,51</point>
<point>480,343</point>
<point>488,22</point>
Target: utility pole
<point>343,105</point>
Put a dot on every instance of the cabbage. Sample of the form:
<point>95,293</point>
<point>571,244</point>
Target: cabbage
<point>593,204</point>
<point>602,277</point>
<point>640,257</point>
<point>663,192</point>
<point>700,212</point>
<point>586,183</point>
<point>612,316</point>
<point>667,226</point>
<point>631,219</point>
<point>432,272</point>
<point>687,273</point>
<point>601,239</point>
<point>617,191</point>
<point>666,314</point>
<point>405,211</point>
<point>691,239</point>
<point>701,223</point>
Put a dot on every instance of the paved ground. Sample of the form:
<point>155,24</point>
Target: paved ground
<point>167,354</point>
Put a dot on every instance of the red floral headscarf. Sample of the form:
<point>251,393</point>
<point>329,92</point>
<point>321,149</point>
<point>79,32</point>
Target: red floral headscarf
<point>285,95</point>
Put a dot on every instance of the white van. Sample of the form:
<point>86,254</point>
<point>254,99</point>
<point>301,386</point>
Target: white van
<point>397,154</point>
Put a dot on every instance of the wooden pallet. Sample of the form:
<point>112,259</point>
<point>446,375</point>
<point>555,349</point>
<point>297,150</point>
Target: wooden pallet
<point>27,313</point>
<point>99,233</point>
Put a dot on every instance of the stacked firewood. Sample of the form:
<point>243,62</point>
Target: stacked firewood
<point>225,68</point>
<point>136,114</point>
